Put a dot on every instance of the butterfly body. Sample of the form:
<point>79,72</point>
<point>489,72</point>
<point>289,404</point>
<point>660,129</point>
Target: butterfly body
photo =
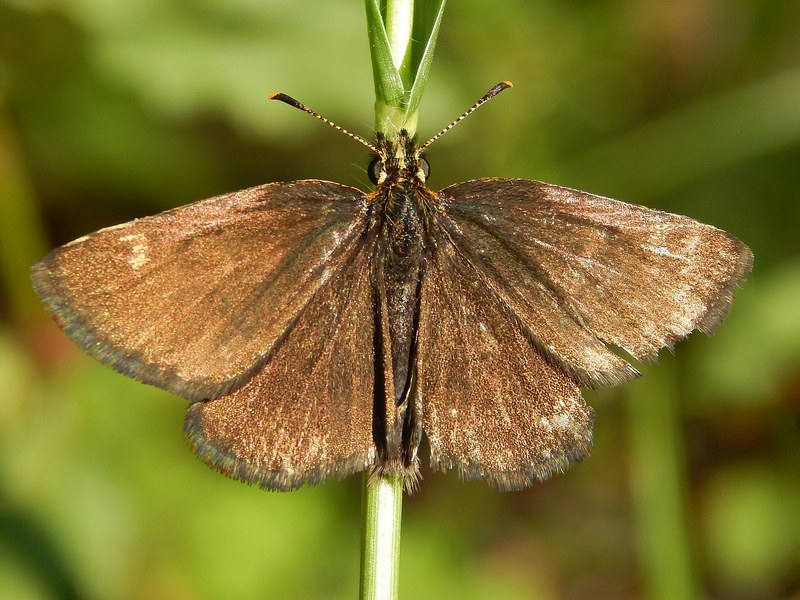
<point>400,220</point>
<point>319,330</point>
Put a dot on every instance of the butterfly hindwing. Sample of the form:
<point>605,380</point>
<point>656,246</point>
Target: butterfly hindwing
<point>193,299</point>
<point>492,405</point>
<point>308,413</point>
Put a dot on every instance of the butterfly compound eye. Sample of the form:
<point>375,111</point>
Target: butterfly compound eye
<point>424,166</point>
<point>375,169</point>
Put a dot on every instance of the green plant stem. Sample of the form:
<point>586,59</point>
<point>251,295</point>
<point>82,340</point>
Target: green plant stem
<point>402,37</point>
<point>399,23</point>
<point>657,476</point>
<point>382,507</point>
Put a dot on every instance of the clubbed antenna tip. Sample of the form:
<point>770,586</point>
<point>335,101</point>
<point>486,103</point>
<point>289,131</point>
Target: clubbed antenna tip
<point>503,85</point>
<point>281,97</point>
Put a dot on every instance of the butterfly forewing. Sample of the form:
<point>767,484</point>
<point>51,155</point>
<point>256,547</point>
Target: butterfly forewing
<point>578,269</point>
<point>193,299</point>
<point>492,405</point>
<point>307,414</point>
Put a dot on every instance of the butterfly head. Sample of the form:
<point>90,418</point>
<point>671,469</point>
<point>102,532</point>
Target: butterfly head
<point>398,161</point>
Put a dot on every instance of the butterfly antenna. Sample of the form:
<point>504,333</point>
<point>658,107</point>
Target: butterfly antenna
<point>503,85</point>
<point>292,102</point>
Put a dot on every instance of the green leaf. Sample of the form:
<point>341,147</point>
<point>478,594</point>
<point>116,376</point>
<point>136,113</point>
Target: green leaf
<point>389,87</point>
<point>426,28</point>
<point>402,36</point>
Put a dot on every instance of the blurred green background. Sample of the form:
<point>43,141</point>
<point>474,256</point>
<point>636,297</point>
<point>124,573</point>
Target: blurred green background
<point>109,111</point>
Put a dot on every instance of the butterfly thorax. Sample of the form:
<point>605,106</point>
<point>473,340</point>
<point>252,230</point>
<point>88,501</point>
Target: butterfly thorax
<point>401,200</point>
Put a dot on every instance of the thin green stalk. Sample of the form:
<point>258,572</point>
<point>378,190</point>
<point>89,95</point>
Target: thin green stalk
<point>399,24</point>
<point>402,37</point>
<point>657,478</point>
<point>382,507</point>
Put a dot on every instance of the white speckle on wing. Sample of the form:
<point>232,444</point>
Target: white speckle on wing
<point>664,251</point>
<point>562,420</point>
<point>138,257</point>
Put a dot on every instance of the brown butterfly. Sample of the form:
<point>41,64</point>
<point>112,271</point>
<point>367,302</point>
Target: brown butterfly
<point>319,330</point>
